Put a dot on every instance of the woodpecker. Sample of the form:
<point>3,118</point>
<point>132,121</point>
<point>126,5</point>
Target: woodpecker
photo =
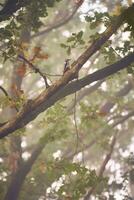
<point>66,65</point>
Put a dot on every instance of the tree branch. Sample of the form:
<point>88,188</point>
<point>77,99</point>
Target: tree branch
<point>18,178</point>
<point>97,137</point>
<point>58,90</point>
<point>98,75</point>
<point>103,166</point>
<point>108,105</point>
<point>82,94</point>
<point>56,25</point>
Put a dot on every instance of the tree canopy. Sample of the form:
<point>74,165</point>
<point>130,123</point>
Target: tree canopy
<point>66,99</point>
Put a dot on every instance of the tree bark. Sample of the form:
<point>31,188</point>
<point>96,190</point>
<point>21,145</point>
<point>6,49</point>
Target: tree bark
<point>19,177</point>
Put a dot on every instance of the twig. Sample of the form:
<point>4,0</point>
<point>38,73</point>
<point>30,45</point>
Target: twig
<point>53,74</point>
<point>9,98</point>
<point>36,70</point>
<point>82,94</point>
<point>103,166</point>
<point>5,92</point>
<point>76,127</point>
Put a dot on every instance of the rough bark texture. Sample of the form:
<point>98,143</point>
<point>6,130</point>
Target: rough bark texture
<point>57,91</point>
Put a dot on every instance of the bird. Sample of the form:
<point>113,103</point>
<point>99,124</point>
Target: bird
<point>66,65</point>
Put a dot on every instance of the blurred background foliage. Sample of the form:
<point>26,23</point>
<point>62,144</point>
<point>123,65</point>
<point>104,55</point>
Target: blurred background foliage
<point>69,150</point>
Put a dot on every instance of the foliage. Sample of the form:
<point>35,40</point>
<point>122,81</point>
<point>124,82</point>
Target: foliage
<point>83,143</point>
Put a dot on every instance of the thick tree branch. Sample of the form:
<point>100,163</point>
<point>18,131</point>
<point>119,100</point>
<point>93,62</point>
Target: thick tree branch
<point>98,75</point>
<point>57,91</point>
<point>19,177</point>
